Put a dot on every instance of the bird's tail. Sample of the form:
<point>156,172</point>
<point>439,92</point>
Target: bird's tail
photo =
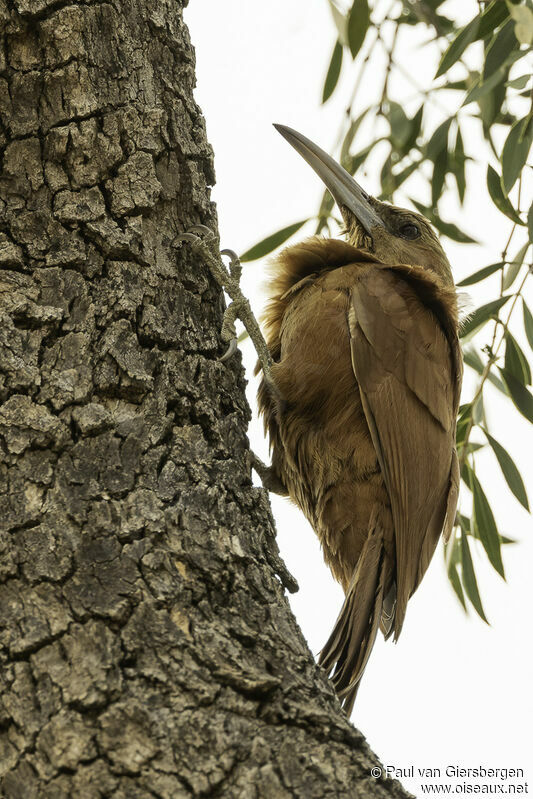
<point>350,643</point>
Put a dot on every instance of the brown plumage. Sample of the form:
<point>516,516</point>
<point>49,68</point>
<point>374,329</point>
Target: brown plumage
<point>361,414</point>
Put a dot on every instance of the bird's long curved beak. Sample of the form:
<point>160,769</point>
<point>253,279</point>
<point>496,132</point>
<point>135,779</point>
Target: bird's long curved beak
<point>346,192</point>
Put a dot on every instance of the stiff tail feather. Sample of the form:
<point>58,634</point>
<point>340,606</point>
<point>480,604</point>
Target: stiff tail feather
<point>350,643</point>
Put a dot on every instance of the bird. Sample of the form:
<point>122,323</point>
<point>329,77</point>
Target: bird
<point>359,399</point>
<point>360,382</point>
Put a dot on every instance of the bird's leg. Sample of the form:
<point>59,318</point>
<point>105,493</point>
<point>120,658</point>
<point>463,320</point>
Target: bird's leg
<point>268,476</point>
<point>239,308</point>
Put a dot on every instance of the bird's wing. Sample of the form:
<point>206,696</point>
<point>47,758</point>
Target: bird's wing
<point>407,371</point>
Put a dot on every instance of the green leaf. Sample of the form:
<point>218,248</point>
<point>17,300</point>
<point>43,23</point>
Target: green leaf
<point>481,274</point>
<point>530,222</point>
<point>453,574</point>
<point>483,523</point>
<point>492,17</point>
<point>511,272</point>
<point>512,476</point>
<point>500,200</point>
<point>473,360</point>
<point>522,398</point>
<point>499,49</point>
<point>455,580</point>
<point>523,17</point>
<point>439,140</point>
<point>482,315</point>
<point>519,83</point>
<point>458,165</point>
<point>358,22</point>
<point>416,124</point>
<point>515,360</point>
<point>269,244</point>
<point>528,323</point>
<point>490,104</point>
<point>340,23</point>
<point>515,152</point>
<point>457,47</point>
<point>514,267</point>
<point>440,168</point>
<point>482,88</point>
<point>350,135</point>
<point>469,577</point>
<point>400,125</point>
<point>334,70</point>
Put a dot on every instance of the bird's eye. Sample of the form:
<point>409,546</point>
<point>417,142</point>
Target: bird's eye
<point>409,231</point>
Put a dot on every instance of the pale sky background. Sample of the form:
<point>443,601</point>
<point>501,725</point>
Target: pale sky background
<point>453,691</point>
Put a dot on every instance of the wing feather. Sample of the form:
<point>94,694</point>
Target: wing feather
<point>407,372</point>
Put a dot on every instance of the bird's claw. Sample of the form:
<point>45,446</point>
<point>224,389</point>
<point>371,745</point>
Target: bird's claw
<point>230,352</point>
<point>235,266</point>
<point>186,237</point>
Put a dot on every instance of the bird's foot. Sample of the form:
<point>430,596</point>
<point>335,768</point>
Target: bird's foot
<point>206,242</point>
<point>267,475</point>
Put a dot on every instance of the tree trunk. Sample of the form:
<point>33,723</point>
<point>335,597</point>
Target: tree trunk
<point>146,645</point>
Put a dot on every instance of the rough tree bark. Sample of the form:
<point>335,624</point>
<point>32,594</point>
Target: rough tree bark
<point>147,648</point>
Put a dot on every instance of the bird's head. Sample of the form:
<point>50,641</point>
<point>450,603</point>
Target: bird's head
<point>394,235</point>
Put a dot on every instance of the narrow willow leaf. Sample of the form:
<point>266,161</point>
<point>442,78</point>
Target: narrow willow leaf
<point>515,360</point>
<point>340,23</point>
<point>400,125</point>
<point>515,152</point>
<point>482,88</point>
<point>520,395</point>
<point>512,476</point>
<point>463,423</point>
<point>416,124</point>
<point>469,577</point>
<point>484,524</point>
<point>440,168</point>
<point>481,274</point>
<point>358,22</point>
<point>519,83</point>
<point>269,244</point>
<point>528,323</point>
<point>458,165</point>
<point>482,315</point>
<point>473,359</point>
<point>494,15</point>
<point>500,200</point>
<point>490,104</point>
<point>478,410</point>
<point>511,273</point>
<point>350,135</point>
<point>334,70</point>
<point>439,140</point>
<point>523,17</point>
<point>457,47</point>
<point>514,267</point>
<point>502,45</point>
<point>455,580</point>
